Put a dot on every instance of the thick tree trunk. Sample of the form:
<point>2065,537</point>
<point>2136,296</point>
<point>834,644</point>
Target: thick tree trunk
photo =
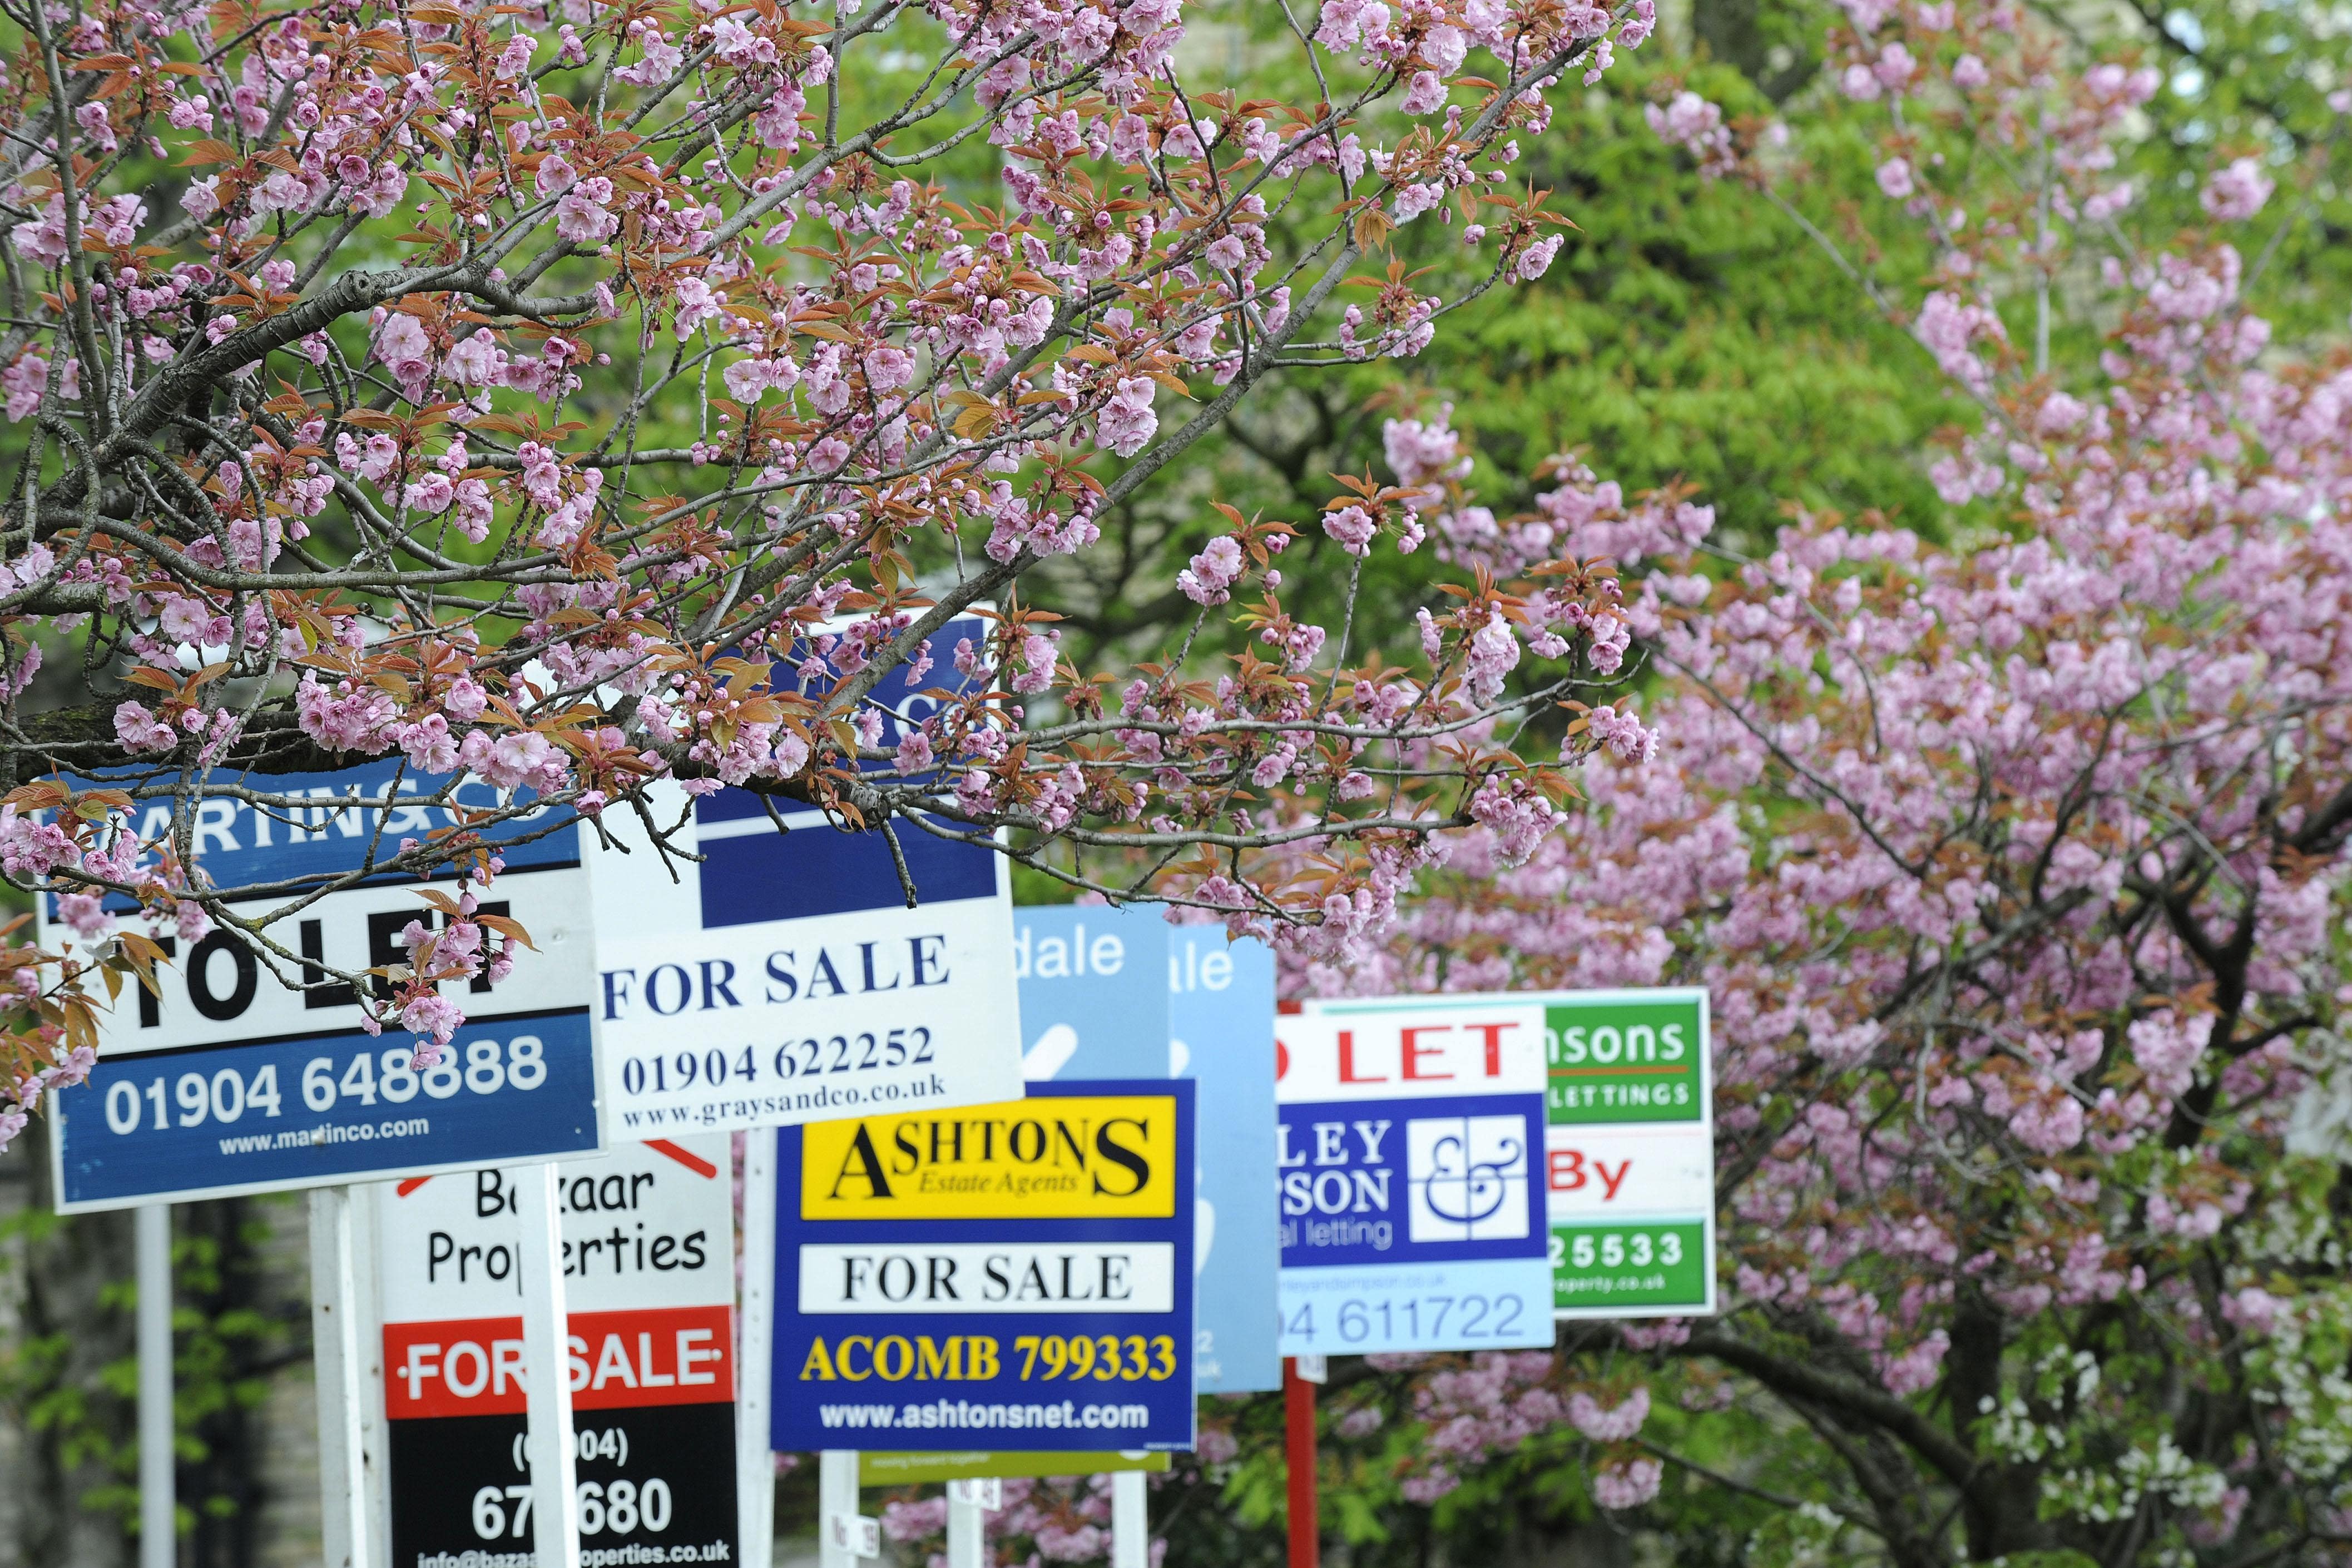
<point>67,1320</point>
<point>1999,1513</point>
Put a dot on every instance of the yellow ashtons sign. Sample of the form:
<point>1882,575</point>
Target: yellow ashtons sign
<point>1047,1158</point>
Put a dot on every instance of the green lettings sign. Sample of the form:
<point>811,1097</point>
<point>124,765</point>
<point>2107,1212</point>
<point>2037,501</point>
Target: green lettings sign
<point>1625,1056</point>
<point>1629,1154</point>
<point>1615,1270</point>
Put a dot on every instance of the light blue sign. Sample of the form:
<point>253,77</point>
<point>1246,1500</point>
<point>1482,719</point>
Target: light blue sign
<point>1090,1008</point>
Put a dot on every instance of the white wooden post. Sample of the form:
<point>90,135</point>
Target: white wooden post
<point>755,1467</point>
<point>968,1505</point>
<point>159,1533</point>
<point>350,1382</point>
<point>842,1536</point>
<point>547,1372</point>
<point>1131,1519</point>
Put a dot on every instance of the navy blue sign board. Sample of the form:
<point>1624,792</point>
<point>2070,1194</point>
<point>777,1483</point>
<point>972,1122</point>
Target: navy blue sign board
<point>230,1082</point>
<point>1006,1277</point>
<point>781,978</point>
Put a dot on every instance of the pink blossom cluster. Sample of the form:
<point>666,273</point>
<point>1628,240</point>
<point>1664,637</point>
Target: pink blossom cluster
<point>547,396</point>
<point>2014,868</point>
<point>1056,1521</point>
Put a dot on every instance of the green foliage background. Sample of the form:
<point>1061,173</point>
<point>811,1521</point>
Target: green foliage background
<point>1687,332</point>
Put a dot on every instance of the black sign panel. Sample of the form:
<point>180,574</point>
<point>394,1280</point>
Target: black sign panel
<point>655,1484</point>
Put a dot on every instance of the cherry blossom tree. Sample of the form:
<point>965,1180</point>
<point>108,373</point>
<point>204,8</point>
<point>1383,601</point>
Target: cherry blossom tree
<point>563,397</point>
<point>1067,1521</point>
<point>2015,866</point>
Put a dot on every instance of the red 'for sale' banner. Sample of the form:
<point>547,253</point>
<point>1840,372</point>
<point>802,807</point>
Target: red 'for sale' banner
<point>664,1356</point>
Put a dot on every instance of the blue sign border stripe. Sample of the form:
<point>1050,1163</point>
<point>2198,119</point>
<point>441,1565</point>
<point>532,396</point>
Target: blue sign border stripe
<point>522,1130</point>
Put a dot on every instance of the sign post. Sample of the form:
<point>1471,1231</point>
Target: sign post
<point>1302,1507</point>
<point>1131,1519</point>
<point>799,973</point>
<point>755,1477</point>
<point>227,1081</point>
<point>844,1535</point>
<point>159,1530</point>
<point>350,1453</point>
<point>1413,1214</point>
<point>1092,1006</point>
<point>969,1502</point>
<point>546,1370</point>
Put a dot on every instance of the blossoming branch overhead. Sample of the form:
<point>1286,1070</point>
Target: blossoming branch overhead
<point>565,399</point>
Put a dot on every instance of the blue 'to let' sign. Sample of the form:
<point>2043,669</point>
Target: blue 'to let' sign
<point>230,1081</point>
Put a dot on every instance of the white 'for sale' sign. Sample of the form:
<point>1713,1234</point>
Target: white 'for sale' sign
<point>788,975</point>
